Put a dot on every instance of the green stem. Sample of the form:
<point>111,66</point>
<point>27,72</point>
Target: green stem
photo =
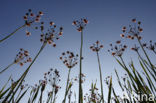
<point>52,94</point>
<point>12,33</point>
<point>66,92</point>
<point>100,77</point>
<point>146,71</point>
<point>69,98</point>
<point>7,68</point>
<point>129,73</point>
<point>80,83</point>
<point>18,95</point>
<point>41,97</point>
<point>54,98</point>
<point>123,62</point>
<point>146,66</point>
<point>145,52</point>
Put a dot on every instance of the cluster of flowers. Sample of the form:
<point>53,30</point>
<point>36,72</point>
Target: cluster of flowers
<point>22,57</point>
<point>133,31</point>
<point>118,49</point>
<point>80,24</point>
<point>151,46</point>
<point>94,96</point>
<point>69,59</point>
<point>30,18</point>
<point>96,47</point>
<point>43,82</point>
<point>135,48</point>
<point>83,78</point>
<point>107,80</point>
<point>51,34</point>
<point>53,78</point>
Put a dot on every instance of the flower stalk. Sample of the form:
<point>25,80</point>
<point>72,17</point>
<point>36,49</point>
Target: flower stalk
<point>6,68</point>
<point>102,96</point>
<point>5,38</point>
<point>67,85</point>
<point>80,25</point>
<point>96,48</point>
<point>80,83</point>
<point>69,59</point>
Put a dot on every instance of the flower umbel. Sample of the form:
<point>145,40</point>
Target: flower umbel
<point>93,96</point>
<point>52,77</point>
<point>133,31</point>
<point>118,49</point>
<point>80,24</point>
<point>69,59</point>
<point>96,47</point>
<point>151,46</point>
<point>135,48</point>
<point>22,57</point>
<point>31,19</point>
<point>51,34</point>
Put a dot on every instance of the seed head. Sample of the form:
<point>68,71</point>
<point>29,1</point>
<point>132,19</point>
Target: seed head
<point>22,57</point>
<point>31,19</point>
<point>117,49</point>
<point>135,48</point>
<point>51,34</point>
<point>69,59</point>
<point>133,31</point>
<point>151,46</point>
<point>80,24</point>
<point>52,77</point>
<point>96,47</point>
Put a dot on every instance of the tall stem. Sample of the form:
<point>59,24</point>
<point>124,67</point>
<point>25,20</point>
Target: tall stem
<point>12,33</point>
<point>100,77</point>
<point>123,62</point>
<point>41,97</point>
<point>152,66</point>
<point>145,52</point>
<point>7,68</point>
<point>80,83</point>
<point>125,67</point>
<point>66,92</point>
<point>18,95</point>
<point>146,71</point>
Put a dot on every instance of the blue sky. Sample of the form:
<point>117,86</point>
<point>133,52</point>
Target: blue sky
<point>106,18</point>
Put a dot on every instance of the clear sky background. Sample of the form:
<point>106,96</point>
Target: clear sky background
<point>106,18</point>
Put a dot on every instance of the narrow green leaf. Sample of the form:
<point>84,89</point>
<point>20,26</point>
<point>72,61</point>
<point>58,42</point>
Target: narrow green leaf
<point>22,96</point>
<point>110,90</point>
